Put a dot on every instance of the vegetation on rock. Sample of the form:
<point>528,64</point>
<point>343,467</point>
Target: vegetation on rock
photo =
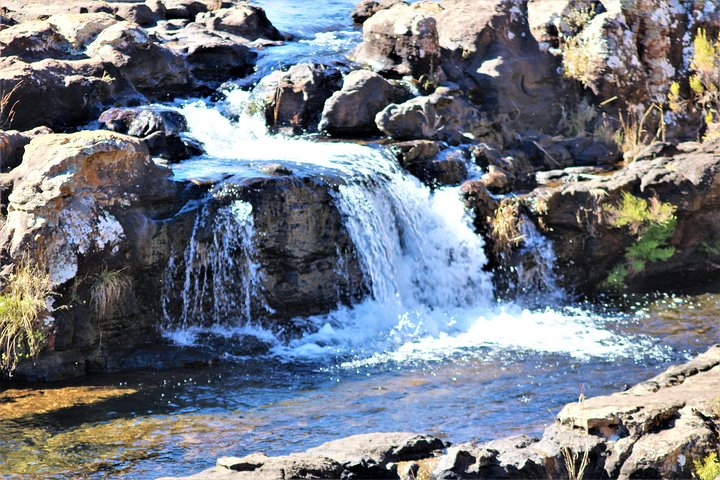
<point>23,305</point>
<point>108,289</point>
<point>652,223</point>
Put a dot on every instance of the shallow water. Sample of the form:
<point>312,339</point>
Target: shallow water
<point>431,352</point>
<point>171,423</point>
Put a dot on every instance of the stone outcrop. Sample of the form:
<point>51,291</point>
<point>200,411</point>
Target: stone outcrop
<point>575,215</point>
<point>367,8</point>
<point>653,430</point>
<point>246,21</point>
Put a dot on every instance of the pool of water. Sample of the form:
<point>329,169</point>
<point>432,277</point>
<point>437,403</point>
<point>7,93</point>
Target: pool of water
<point>143,425</point>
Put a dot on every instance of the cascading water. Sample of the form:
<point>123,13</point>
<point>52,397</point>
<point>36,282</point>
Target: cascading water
<point>423,263</point>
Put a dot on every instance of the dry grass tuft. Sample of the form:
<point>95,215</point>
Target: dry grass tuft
<point>108,289</point>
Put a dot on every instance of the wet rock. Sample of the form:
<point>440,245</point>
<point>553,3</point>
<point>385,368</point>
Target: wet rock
<point>276,169</point>
<point>570,174</point>
<point>402,40</point>
<point>367,8</point>
<point>434,167</point>
<point>246,21</point>
<point>352,110</point>
<point>441,116</point>
<point>477,198</point>
<point>510,170</point>
<point>162,130</point>
<point>295,98</point>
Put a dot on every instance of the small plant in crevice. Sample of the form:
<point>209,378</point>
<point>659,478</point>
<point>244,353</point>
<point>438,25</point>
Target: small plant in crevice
<point>108,289</point>
<point>634,134</point>
<point>23,310</point>
<point>652,223</point>
<point>506,232</point>
<point>703,85</point>
<point>7,106</point>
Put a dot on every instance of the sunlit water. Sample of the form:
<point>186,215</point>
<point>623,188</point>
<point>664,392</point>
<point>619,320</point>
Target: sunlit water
<point>429,350</point>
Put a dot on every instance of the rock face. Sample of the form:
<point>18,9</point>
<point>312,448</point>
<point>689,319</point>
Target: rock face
<point>289,228</point>
<point>295,98</point>
<point>577,217</point>
<point>352,109</point>
<point>367,8</point>
<point>653,430</point>
<point>81,205</point>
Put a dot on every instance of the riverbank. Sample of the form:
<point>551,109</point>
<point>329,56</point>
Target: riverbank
<point>655,429</point>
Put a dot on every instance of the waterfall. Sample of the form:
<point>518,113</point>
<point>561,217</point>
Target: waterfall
<point>219,269</point>
<point>422,261</point>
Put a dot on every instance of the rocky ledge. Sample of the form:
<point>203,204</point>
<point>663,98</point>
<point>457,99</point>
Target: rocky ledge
<point>653,430</point>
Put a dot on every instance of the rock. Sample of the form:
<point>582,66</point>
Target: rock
<point>82,204</point>
<point>441,116</point>
<point>81,29</point>
<point>160,128</point>
<point>576,217</point>
<point>588,152</point>
<point>402,40</point>
<point>70,92</point>
<point>21,11</point>
<point>244,464</point>
<point>567,175</point>
<point>33,40</point>
<point>434,167</point>
<point>351,111</point>
<point>367,8</point>
<point>139,13</point>
<point>298,238</point>
<point>477,198</point>
<point>370,455</point>
<point>487,48</point>
<point>184,9</point>
<point>12,148</point>
<point>295,98</point>
<point>297,465</point>
<point>212,58</point>
<point>246,21</point>
<point>154,70</point>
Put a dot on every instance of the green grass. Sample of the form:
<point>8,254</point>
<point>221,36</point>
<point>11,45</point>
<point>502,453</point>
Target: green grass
<point>23,307</point>
<point>708,468</point>
<point>108,289</point>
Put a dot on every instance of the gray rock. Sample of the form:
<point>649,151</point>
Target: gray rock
<point>351,111</point>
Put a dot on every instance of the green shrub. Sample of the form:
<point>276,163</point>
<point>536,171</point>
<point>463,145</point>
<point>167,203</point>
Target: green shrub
<point>708,468</point>
<point>23,304</point>
<point>653,224</point>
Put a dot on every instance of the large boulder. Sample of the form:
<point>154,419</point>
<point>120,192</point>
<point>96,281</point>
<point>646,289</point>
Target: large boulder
<point>351,111</point>
<point>488,49</point>
<point>34,40</point>
<point>84,206</point>
<point>402,40</point>
<point>295,98</point>
<point>155,70</point>
<point>246,21</point>
<point>70,92</point>
<point>12,146</point>
<point>444,115</point>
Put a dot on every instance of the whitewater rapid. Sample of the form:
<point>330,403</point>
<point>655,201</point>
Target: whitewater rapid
<point>431,298</point>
